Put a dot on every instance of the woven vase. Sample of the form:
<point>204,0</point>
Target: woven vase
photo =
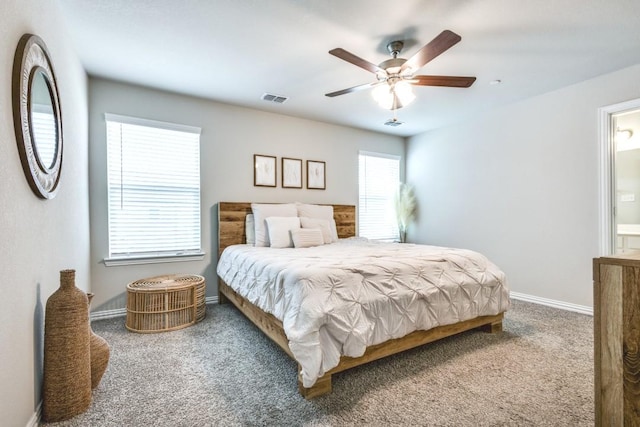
<point>99,354</point>
<point>67,364</point>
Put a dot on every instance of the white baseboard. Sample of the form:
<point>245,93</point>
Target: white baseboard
<point>108,314</point>
<point>34,421</point>
<point>118,312</point>
<point>584,309</point>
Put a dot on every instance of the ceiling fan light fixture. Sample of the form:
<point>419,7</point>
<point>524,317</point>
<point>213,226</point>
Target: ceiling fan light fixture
<point>404,92</point>
<point>407,73</point>
<point>396,75</point>
<point>393,96</point>
<point>383,95</point>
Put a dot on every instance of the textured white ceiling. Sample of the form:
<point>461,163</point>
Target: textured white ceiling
<point>233,51</point>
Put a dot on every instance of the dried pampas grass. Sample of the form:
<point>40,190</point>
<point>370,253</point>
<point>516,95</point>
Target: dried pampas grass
<point>406,208</point>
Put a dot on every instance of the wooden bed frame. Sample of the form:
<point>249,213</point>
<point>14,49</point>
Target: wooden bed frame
<point>231,231</point>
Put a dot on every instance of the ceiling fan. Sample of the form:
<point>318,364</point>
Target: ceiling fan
<point>398,73</point>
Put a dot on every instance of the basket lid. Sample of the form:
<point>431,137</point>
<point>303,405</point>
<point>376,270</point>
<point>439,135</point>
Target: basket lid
<point>167,281</point>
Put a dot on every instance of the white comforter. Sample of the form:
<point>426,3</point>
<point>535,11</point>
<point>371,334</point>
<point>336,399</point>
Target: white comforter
<point>338,299</point>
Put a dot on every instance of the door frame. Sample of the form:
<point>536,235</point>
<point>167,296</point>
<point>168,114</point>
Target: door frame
<point>607,191</point>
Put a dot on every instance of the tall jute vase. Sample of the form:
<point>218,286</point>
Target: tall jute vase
<point>67,364</point>
<point>99,354</point>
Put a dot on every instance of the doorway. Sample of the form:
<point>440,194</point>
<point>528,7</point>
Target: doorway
<point>620,178</point>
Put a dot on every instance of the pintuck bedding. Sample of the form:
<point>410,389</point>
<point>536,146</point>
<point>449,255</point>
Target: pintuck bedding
<point>337,299</point>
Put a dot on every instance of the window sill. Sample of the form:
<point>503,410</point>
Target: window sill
<point>134,260</point>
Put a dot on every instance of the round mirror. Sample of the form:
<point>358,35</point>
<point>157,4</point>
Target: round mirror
<point>36,116</point>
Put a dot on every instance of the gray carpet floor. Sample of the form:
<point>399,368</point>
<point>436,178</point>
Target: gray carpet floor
<point>225,372</point>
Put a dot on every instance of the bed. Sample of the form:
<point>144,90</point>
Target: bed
<point>333,300</point>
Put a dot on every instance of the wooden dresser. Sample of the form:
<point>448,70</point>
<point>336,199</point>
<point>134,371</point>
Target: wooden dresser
<point>616,306</point>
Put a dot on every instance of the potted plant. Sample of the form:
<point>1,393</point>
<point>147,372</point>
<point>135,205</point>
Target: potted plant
<point>405,207</point>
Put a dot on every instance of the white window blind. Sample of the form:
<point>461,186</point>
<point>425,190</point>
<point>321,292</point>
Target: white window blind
<point>379,177</point>
<point>43,123</point>
<point>153,188</point>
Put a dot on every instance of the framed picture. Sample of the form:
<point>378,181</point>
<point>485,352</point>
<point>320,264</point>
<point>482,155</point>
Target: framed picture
<point>291,173</point>
<point>264,171</point>
<point>316,179</point>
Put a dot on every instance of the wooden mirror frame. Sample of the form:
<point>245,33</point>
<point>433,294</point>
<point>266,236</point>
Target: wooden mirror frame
<point>32,58</point>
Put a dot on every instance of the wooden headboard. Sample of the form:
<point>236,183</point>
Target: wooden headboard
<point>231,218</point>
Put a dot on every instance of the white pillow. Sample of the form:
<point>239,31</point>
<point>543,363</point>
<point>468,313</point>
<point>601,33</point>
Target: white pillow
<point>262,211</point>
<point>319,212</point>
<point>250,229</point>
<point>315,211</point>
<point>321,224</point>
<point>279,228</point>
<point>307,237</point>
<point>334,230</point>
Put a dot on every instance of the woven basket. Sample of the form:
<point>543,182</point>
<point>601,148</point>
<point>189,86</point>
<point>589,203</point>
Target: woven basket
<point>165,303</point>
<point>67,364</point>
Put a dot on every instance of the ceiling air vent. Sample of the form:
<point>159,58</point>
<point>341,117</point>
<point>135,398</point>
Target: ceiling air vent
<point>393,122</point>
<point>274,98</point>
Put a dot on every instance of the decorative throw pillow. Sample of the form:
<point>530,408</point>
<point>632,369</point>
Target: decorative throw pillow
<point>307,237</point>
<point>279,228</point>
<point>250,229</point>
<point>321,224</point>
<point>262,211</point>
<point>319,212</point>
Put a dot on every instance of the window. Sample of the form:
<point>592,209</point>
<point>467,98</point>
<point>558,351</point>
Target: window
<point>43,122</point>
<point>153,190</point>
<point>379,177</point>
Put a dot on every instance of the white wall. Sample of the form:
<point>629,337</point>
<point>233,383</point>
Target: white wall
<point>38,238</point>
<point>230,137</point>
<point>520,184</point>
